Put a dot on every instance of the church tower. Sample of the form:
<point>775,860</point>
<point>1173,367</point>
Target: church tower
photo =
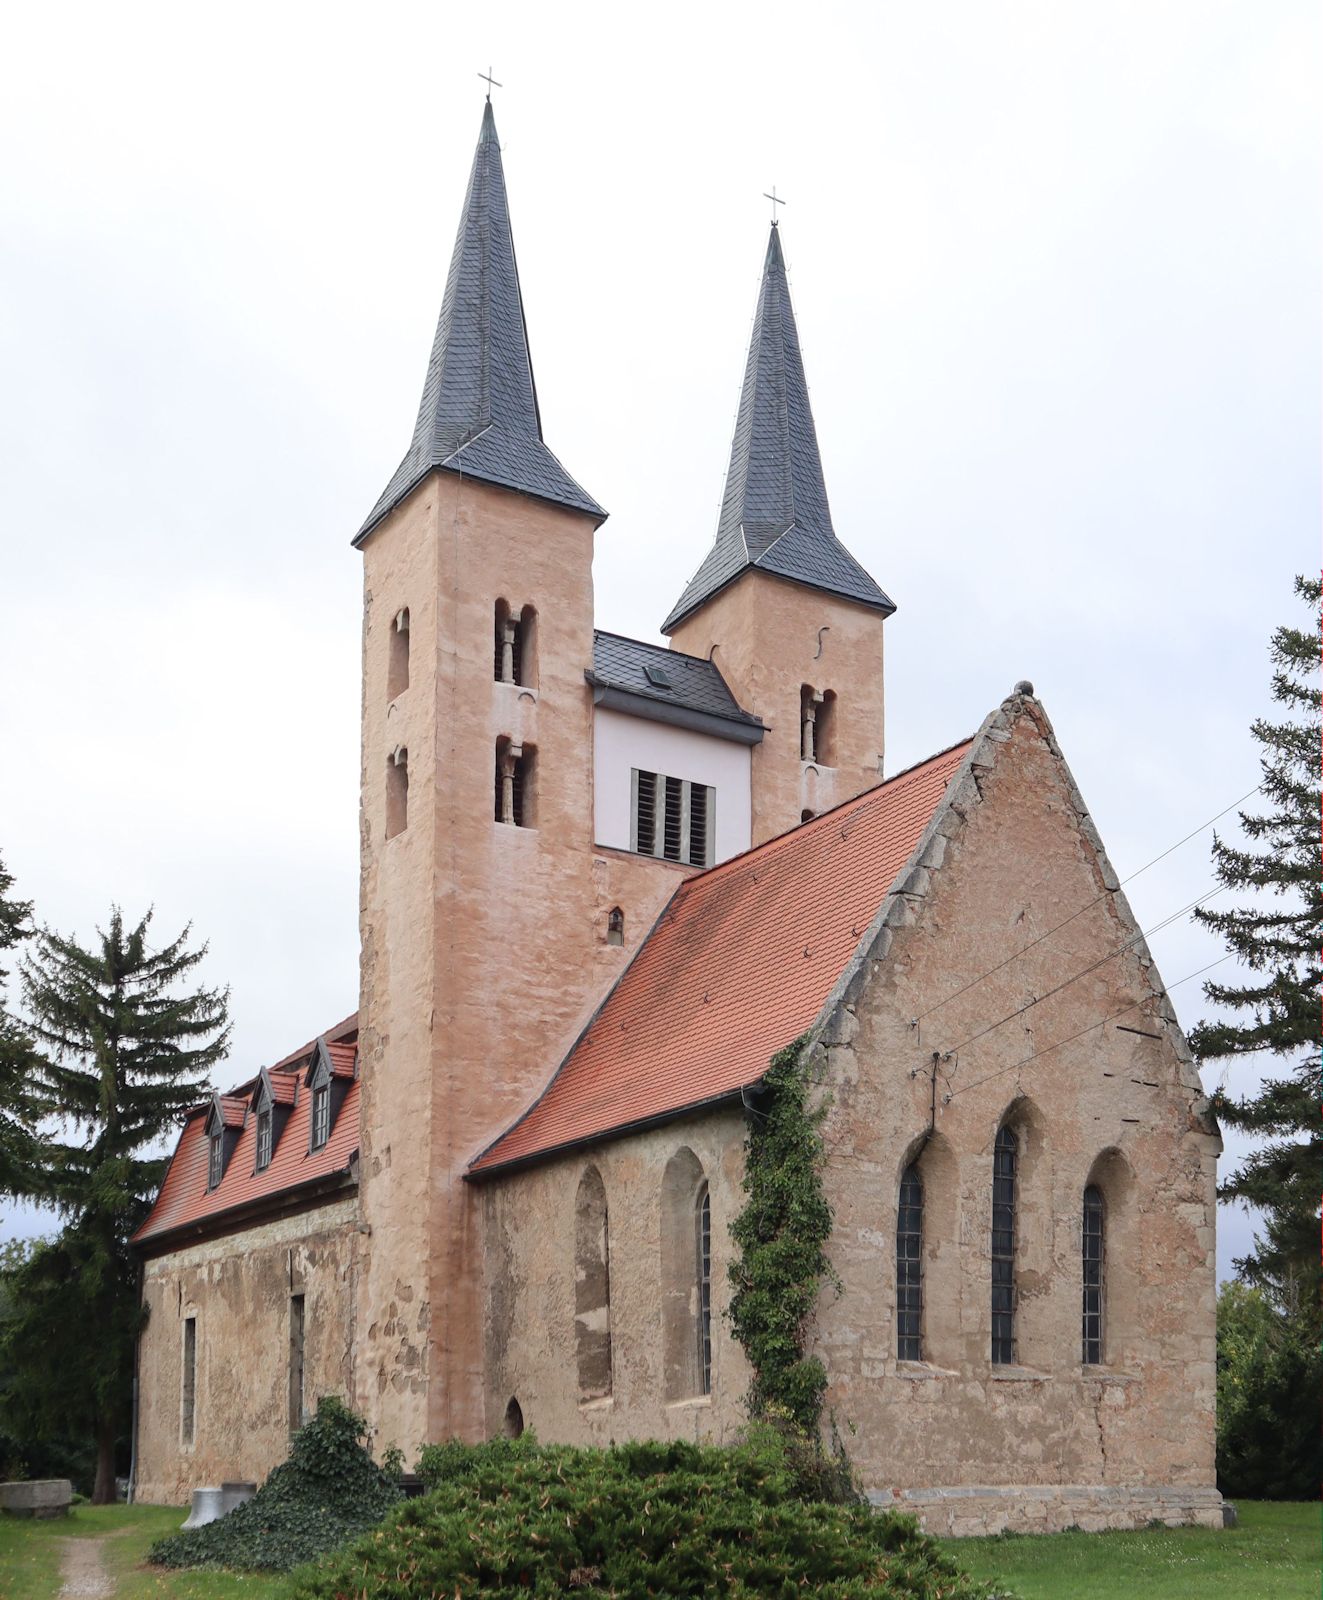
<point>479,903</point>
<point>782,607</point>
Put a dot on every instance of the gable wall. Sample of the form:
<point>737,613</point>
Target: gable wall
<point>1018,866</point>
<point>238,1288</point>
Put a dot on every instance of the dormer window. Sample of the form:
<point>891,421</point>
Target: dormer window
<point>321,1115</point>
<point>329,1076</point>
<point>215,1159</point>
<point>265,1132</point>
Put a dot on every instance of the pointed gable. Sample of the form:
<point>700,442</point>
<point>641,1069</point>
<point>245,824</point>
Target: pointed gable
<point>774,514</point>
<point>479,411</point>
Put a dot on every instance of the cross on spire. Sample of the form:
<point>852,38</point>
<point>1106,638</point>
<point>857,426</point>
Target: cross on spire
<point>490,82</point>
<point>776,201</point>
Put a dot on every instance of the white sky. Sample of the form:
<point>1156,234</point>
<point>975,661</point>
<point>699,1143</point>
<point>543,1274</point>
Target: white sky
<point>1056,269</point>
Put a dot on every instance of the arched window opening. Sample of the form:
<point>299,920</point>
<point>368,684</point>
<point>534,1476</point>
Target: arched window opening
<point>592,1288</point>
<point>515,794</point>
<point>1005,1156</point>
<point>397,792</point>
<point>397,671</point>
<point>704,1220</point>
<point>515,645</point>
<point>809,701</point>
<point>806,815</point>
<point>1094,1253</point>
<point>686,1278</point>
<point>513,1423</point>
<point>909,1267</point>
<point>615,926</point>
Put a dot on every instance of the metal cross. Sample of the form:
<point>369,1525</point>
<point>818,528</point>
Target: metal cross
<point>490,82</point>
<point>776,201</point>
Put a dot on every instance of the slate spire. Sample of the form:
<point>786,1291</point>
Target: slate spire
<point>774,514</point>
<point>479,411</point>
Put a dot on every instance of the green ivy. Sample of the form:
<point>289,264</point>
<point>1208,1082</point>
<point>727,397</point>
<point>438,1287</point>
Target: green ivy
<point>782,1232</point>
<point>328,1492</point>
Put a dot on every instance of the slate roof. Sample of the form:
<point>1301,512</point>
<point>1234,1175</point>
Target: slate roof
<point>774,514</point>
<point>479,412</point>
<point>643,669</point>
<point>186,1202</point>
<point>738,966</point>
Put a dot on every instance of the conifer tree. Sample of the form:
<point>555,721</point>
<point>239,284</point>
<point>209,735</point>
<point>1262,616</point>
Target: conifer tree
<point>124,1049</point>
<point>18,1146</point>
<point>1276,933</point>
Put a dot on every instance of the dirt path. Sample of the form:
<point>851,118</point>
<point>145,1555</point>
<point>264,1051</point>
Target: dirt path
<point>83,1570</point>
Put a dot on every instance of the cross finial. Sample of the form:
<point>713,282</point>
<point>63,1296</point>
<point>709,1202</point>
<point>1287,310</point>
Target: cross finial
<point>490,82</point>
<point>776,201</point>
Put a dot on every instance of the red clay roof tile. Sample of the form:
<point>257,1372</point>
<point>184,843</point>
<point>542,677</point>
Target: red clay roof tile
<point>738,966</point>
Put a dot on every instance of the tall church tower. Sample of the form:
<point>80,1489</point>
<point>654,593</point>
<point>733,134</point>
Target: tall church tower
<point>782,607</point>
<point>479,899</point>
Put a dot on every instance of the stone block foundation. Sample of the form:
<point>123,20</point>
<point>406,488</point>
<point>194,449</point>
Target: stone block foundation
<point>969,1512</point>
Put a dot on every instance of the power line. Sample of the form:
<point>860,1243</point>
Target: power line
<point>1102,961</point>
<point>1102,1022</point>
<point>955,994</point>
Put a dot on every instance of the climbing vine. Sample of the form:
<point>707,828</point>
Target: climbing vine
<point>782,1232</point>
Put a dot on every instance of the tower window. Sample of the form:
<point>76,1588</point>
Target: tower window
<point>1005,1155</point>
<point>909,1267</point>
<point>264,1138</point>
<point>615,926</point>
<point>514,659</point>
<point>1094,1259</point>
<point>397,672</point>
<point>672,818</point>
<point>514,790</point>
<point>188,1386</point>
<point>817,725</point>
<point>397,792</point>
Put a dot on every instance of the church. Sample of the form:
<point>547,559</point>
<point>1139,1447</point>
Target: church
<point>603,882</point>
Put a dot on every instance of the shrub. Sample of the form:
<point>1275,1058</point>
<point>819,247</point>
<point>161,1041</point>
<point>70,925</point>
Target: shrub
<point>326,1493</point>
<point>1268,1444</point>
<point>645,1519</point>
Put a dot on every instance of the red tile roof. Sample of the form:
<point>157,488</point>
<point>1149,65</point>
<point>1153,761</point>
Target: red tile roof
<point>232,1108</point>
<point>739,965</point>
<point>284,1087</point>
<point>185,1201</point>
<point>342,1057</point>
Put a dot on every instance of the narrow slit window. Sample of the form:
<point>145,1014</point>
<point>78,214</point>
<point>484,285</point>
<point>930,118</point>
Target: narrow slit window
<point>909,1267</point>
<point>265,1119</point>
<point>397,672</point>
<point>705,1291</point>
<point>188,1387</point>
<point>615,926</point>
<point>297,1336</point>
<point>321,1115</point>
<point>1094,1262</point>
<point>1004,1159</point>
<point>397,792</point>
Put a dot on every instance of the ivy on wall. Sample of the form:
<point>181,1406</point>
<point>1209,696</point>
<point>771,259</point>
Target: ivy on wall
<point>782,1232</point>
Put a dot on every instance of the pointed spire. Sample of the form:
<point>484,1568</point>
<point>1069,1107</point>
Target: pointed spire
<point>479,412</point>
<point>774,514</point>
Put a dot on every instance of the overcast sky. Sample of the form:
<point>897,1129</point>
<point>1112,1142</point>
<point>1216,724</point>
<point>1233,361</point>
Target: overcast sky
<point>1056,270</point>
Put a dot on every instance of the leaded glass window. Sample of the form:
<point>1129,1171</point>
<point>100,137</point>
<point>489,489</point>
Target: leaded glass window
<point>909,1267</point>
<point>1094,1243</point>
<point>705,1291</point>
<point>1003,1247</point>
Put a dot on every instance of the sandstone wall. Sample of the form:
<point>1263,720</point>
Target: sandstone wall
<point>238,1289</point>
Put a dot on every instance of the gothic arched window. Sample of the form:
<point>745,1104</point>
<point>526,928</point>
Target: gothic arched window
<point>686,1278</point>
<point>1094,1247</point>
<point>1004,1159</point>
<point>592,1288</point>
<point>704,1220</point>
<point>909,1267</point>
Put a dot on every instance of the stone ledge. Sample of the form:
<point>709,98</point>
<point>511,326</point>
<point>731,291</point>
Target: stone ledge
<point>973,1510</point>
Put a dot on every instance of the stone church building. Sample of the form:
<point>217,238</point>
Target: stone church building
<point>602,883</point>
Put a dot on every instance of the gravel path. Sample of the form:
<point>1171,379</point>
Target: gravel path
<point>83,1569</point>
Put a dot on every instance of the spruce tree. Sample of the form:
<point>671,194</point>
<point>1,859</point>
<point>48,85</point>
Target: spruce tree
<point>19,1149</point>
<point>124,1048</point>
<point>1275,932</point>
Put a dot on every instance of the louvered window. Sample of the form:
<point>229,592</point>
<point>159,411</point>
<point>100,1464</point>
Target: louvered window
<point>1093,1252</point>
<point>264,1138</point>
<point>321,1115</point>
<point>1004,1159</point>
<point>909,1268</point>
<point>673,818</point>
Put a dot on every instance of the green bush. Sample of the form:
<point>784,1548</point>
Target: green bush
<point>328,1492</point>
<point>641,1520</point>
<point>1269,1369</point>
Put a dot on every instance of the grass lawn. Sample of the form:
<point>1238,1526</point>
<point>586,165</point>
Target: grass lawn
<point>1272,1555</point>
<point>30,1557</point>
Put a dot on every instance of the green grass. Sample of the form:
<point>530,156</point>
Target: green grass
<point>1272,1555</point>
<point>30,1557</point>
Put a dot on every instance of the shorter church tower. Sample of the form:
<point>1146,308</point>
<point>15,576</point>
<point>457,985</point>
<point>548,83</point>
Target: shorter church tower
<point>782,607</point>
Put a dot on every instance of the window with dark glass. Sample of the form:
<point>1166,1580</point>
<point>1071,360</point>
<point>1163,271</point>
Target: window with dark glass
<point>297,1334</point>
<point>188,1388</point>
<point>264,1138</point>
<point>705,1291</point>
<point>909,1267</point>
<point>321,1115</point>
<point>1094,1246</point>
<point>1003,1247</point>
<point>215,1159</point>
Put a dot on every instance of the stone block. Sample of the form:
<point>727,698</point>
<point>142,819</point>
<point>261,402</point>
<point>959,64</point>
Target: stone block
<point>37,1497</point>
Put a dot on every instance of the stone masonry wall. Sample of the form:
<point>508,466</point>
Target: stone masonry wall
<point>238,1288</point>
